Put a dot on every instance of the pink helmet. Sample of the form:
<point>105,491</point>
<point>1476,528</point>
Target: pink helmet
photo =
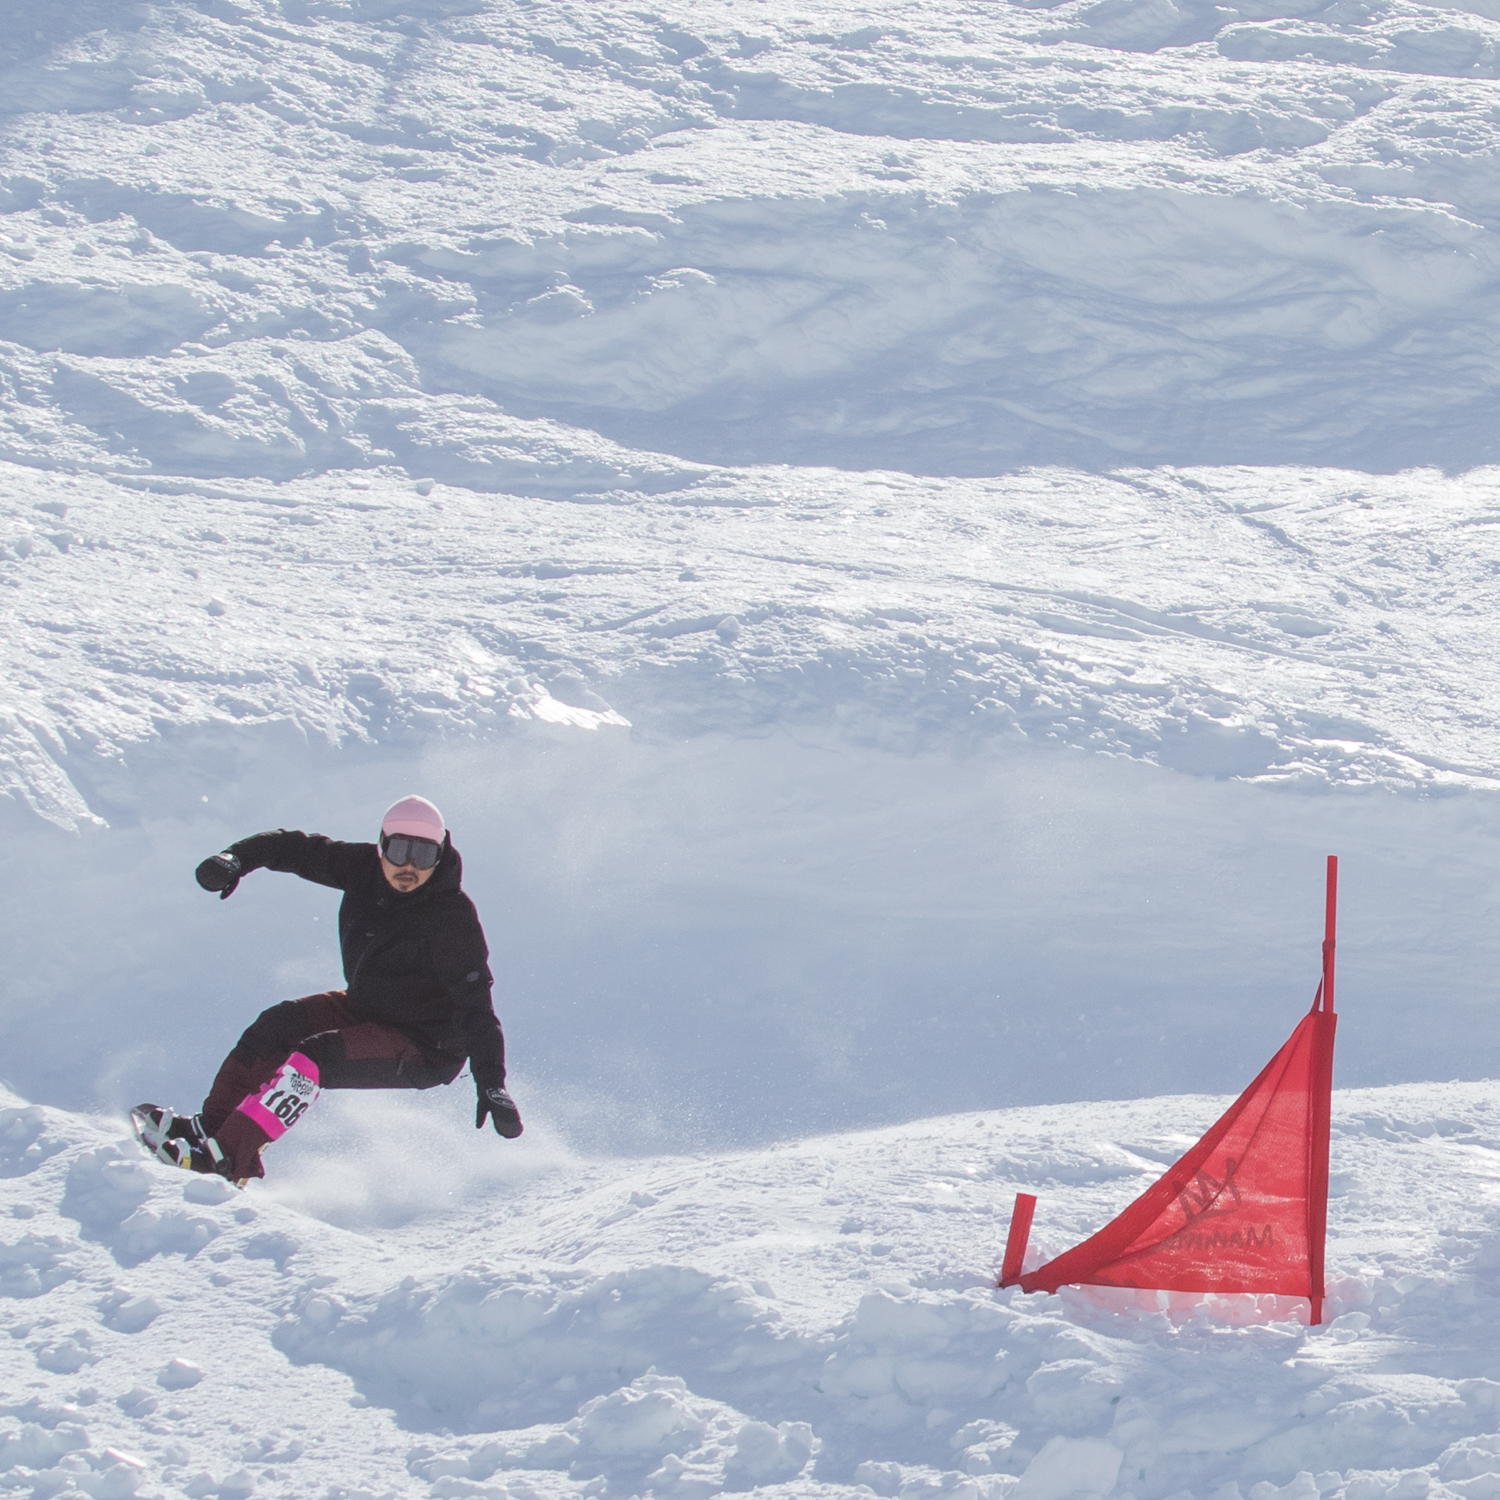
<point>416,817</point>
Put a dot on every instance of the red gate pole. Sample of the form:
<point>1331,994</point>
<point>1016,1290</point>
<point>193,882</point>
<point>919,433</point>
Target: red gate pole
<point>1319,1104</point>
<point>1015,1241</point>
<point>1330,926</point>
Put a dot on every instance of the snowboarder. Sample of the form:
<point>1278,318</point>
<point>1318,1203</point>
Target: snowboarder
<point>417,1003</point>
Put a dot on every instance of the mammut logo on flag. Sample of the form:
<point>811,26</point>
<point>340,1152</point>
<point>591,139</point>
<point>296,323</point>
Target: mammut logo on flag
<point>1202,1199</point>
<point>1262,1165</point>
<point>1197,1241</point>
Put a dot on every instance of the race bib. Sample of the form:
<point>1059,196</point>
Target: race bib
<point>284,1100</point>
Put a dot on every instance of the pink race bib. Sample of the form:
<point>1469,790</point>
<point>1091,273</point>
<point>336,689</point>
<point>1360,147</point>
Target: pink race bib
<point>284,1100</point>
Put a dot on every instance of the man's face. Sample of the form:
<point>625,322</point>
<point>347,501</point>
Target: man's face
<point>404,878</point>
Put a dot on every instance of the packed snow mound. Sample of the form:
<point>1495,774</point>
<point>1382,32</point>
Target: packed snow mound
<point>818,1320</point>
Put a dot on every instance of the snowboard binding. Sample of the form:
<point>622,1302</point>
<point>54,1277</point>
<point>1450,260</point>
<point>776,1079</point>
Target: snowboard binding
<point>180,1141</point>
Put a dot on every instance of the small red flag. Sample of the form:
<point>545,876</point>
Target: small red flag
<point>1247,1208</point>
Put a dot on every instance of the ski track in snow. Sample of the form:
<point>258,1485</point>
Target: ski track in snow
<point>1341,633</point>
<point>815,1319</point>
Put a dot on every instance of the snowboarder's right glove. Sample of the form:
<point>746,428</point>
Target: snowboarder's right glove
<point>221,873</point>
<point>501,1109</point>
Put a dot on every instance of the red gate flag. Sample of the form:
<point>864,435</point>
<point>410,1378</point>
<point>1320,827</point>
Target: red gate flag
<point>1247,1208</point>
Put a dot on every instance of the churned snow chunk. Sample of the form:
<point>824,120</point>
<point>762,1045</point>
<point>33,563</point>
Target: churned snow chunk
<point>1302,1487</point>
<point>119,1481</point>
<point>127,1314</point>
<point>104,1187</point>
<point>179,1374</point>
<point>69,1354</point>
<point>768,1455</point>
<point>209,1190</point>
<point>33,1265</point>
<point>1470,1458</point>
<point>21,1145</point>
<point>137,1402</point>
<point>648,1418</point>
<point>1349,1326</point>
<point>34,1447</point>
<point>1071,1466</point>
<point>146,1233</point>
<point>883,1478</point>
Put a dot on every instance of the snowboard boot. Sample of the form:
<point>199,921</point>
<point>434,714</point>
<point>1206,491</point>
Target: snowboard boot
<point>178,1140</point>
<point>154,1123</point>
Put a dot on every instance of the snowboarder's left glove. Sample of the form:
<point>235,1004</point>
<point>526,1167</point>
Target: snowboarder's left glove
<point>221,873</point>
<point>501,1109</point>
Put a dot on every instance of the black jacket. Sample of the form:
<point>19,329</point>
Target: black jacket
<point>416,961</point>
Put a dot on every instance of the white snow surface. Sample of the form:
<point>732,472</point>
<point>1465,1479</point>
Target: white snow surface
<point>814,1320</point>
<point>899,535</point>
<point>1118,373</point>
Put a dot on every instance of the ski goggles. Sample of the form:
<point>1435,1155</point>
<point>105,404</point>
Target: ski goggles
<point>402,849</point>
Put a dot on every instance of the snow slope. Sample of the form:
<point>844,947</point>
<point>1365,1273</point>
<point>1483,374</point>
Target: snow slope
<point>959,239</point>
<point>817,1319</point>
<point>310,306</point>
<point>899,535</point>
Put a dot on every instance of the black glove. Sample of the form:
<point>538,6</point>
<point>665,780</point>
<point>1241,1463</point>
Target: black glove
<point>501,1109</point>
<point>221,873</point>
